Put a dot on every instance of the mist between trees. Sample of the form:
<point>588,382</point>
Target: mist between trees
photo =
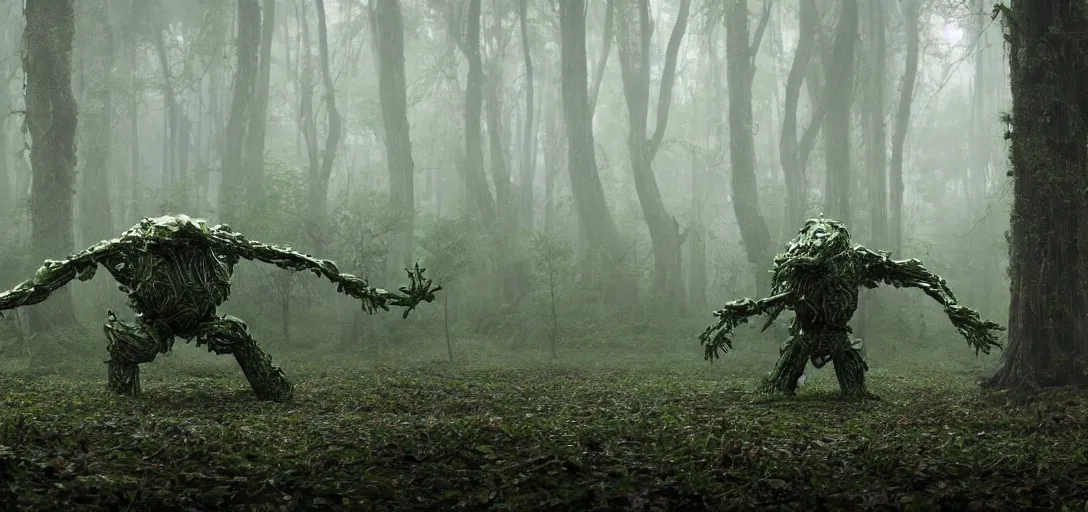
<point>580,177</point>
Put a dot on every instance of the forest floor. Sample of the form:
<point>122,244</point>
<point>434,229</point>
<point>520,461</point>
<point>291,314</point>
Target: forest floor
<point>435,436</point>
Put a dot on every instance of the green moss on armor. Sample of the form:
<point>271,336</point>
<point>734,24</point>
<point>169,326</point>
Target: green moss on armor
<point>176,271</point>
<point>818,277</point>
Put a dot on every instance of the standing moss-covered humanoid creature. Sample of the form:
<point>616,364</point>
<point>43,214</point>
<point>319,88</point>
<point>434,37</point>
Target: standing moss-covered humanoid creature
<point>818,278</point>
<point>176,270</point>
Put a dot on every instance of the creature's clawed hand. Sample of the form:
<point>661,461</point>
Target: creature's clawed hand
<point>980,334</point>
<point>716,337</point>
<point>418,290</point>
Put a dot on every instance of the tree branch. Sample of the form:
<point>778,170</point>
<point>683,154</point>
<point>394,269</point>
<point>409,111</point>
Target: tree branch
<point>668,77</point>
<point>757,39</point>
<point>606,49</point>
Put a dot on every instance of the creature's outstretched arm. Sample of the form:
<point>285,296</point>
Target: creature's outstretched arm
<point>880,267</point>
<point>419,289</point>
<point>734,313</point>
<point>54,274</point>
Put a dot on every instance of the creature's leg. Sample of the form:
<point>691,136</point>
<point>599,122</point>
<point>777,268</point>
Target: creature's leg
<point>129,344</point>
<point>229,335</point>
<point>850,368</point>
<point>791,364</point>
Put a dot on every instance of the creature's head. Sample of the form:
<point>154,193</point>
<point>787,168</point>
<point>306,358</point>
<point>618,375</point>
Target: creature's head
<point>175,226</point>
<point>817,243</point>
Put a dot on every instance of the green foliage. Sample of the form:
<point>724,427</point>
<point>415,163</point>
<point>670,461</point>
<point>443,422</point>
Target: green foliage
<point>362,226</point>
<point>280,217</point>
<point>552,255</point>
<point>552,259</point>
<point>516,438</point>
<point>448,248</point>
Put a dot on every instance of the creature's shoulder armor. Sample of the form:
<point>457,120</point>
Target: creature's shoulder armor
<point>175,227</point>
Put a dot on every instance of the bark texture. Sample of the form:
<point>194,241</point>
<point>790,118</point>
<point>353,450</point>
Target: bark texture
<point>51,122</point>
<point>634,35</point>
<point>1048,251</point>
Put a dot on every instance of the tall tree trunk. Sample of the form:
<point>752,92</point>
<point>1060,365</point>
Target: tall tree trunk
<point>245,75</point>
<point>1048,252</point>
<point>389,35</point>
<point>136,192</point>
<point>95,212</point>
<point>170,171</point>
<point>981,152</point>
<point>512,268</point>
<point>255,135</point>
<point>980,125</point>
<point>634,36</point>
<point>319,184</point>
<point>838,182</point>
<point>593,212</point>
<point>214,134</point>
<point>911,12</point>
<point>877,156</point>
<point>493,115</point>
<point>705,107</point>
<point>51,122</point>
<point>793,152</point>
<point>528,143</point>
<point>307,123</point>
<point>740,69</point>
<point>473,169</point>
<point>553,158</point>
<point>8,194</point>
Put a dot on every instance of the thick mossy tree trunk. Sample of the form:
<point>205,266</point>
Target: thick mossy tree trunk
<point>1048,249</point>
<point>51,121</point>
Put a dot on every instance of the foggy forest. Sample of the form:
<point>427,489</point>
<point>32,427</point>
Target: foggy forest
<point>460,254</point>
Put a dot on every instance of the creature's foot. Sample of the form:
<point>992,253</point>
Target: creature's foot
<point>268,381</point>
<point>128,344</point>
<point>124,379</point>
<point>772,386</point>
<point>229,335</point>
<point>850,370</point>
<point>788,370</point>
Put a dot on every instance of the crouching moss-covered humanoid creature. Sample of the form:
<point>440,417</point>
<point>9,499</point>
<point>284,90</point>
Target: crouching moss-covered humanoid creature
<point>176,270</point>
<point>818,277</point>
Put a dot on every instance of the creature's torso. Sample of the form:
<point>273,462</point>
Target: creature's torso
<point>821,273</point>
<point>176,280</point>
<point>825,303</point>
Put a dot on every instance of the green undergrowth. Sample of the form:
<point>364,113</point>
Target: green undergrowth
<point>435,436</point>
